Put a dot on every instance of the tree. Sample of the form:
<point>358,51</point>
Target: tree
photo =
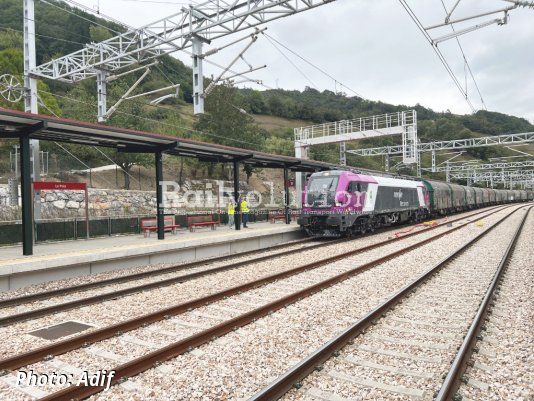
<point>228,123</point>
<point>10,40</point>
<point>255,102</point>
<point>99,33</point>
<point>225,121</point>
<point>248,169</point>
<point>128,116</point>
<point>279,146</point>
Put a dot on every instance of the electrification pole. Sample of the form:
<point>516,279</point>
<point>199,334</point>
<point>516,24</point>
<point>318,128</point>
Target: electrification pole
<point>30,86</point>
<point>198,76</point>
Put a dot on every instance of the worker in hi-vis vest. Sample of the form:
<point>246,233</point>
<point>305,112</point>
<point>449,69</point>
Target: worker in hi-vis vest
<point>244,211</point>
<point>231,213</point>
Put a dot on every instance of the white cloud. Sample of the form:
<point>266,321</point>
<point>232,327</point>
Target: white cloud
<point>374,48</point>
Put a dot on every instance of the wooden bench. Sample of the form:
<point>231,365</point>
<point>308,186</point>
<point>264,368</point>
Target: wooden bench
<point>273,216</point>
<point>280,215</point>
<point>201,221</point>
<point>149,225</point>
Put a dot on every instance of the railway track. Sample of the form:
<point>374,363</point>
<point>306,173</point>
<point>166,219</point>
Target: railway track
<point>136,276</point>
<point>142,363</point>
<point>501,365</point>
<point>116,293</point>
<point>439,312</point>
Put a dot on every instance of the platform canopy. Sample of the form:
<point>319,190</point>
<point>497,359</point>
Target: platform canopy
<point>14,124</point>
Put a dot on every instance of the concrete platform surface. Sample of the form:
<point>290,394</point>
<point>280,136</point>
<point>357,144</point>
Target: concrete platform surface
<point>57,260</point>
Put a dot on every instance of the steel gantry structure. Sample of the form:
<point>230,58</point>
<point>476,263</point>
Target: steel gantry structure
<point>487,166</point>
<point>400,123</point>
<point>508,178</point>
<point>455,144</point>
<point>509,173</point>
<point>452,145</point>
<point>193,26</point>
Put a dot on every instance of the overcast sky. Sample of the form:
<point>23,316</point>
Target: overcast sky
<point>376,50</point>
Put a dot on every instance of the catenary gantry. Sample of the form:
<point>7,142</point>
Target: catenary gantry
<point>454,144</point>
<point>26,126</point>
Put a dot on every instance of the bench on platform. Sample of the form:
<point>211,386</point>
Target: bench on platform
<point>201,221</point>
<point>149,225</point>
<point>280,215</point>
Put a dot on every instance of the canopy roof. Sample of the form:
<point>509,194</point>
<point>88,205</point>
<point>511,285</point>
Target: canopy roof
<point>13,124</point>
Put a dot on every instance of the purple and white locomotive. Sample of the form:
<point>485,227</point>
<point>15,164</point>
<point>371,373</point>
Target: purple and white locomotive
<point>339,203</point>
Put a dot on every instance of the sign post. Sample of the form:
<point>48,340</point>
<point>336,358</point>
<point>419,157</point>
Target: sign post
<point>67,186</point>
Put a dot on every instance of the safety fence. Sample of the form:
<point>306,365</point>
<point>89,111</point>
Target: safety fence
<point>75,228</point>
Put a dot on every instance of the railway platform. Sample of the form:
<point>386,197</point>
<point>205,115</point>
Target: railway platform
<point>59,260</point>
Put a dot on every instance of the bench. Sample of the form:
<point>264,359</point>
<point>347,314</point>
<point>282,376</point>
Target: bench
<point>201,221</point>
<point>280,215</point>
<point>149,225</point>
<point>273,216</point>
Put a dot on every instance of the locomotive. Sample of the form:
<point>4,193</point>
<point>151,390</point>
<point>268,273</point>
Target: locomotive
<point>342,203</point>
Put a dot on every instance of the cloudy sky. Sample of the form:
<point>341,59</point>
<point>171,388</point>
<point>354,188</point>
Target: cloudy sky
<point>373,48</point>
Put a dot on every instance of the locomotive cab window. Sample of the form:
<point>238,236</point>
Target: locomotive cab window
<point>319,184</point>
<point>357,187</point>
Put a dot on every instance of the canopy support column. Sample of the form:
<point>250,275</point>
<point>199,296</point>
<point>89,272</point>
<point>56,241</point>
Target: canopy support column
<point>237,214</point>
<point>286,196</point>
<point>26,194</point>
<point>159,196</point>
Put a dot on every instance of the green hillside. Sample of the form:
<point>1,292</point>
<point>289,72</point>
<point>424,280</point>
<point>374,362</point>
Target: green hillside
<point>267,124</point>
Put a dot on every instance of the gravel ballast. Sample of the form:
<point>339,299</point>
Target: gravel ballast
<point>263,349</point>
<point>504,367</point>
<point>110,312</point>
<point>242,362</point>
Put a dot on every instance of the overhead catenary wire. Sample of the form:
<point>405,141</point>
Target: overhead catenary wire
<point>440,55</point>
<point>313,65</point>
<point>80,16</point>
<point>466,62</point>
<point>42,36</point>
<point>94,147</point>
<point>63,29</point>
<point>156,121</point>
<point>129,27</point>
<point>291,62</point>
<point>272,39</point>
<point>97,12</point>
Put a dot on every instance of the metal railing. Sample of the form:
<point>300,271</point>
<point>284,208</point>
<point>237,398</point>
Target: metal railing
<point>377,122</point>
<point>47,230</point>
<point>65,229</point>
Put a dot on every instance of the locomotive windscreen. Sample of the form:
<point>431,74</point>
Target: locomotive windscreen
<point>322,191</point>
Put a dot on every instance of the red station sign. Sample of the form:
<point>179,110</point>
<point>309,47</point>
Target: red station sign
<point>69,186</point>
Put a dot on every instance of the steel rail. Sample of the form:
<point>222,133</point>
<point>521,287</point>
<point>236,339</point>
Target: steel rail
<point>152,359</point>
<point>64,346</point>
<point>453,379</point>
<point>11,319</point>
<point>7,320</point>
<point>293,376</point>
<point>135,276</point>
<point>166,270</point>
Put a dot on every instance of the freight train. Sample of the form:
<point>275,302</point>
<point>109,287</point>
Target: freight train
<point>342,203</point>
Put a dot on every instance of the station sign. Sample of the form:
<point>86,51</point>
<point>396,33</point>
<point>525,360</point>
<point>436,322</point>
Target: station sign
<point>69,186</point>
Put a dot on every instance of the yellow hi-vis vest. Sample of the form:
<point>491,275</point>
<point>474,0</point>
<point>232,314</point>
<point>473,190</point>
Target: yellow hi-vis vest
<point>231,208</point>
<point>244,208</point>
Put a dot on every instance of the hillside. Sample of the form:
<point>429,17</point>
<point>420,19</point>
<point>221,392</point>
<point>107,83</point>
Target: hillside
<point>267,125</point>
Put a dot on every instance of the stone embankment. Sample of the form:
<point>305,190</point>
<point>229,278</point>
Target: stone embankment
<point>194,195</point>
